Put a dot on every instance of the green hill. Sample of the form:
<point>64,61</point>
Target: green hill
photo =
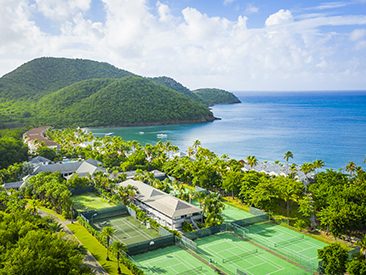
<point>41,76</point>
<point>176,86</point>
<point>126,101</point>
<point>65,92</point>
<point>216,96</point>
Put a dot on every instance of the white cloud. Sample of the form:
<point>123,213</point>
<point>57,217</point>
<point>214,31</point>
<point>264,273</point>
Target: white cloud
<point>16,29</point>
<point>357,34</point>
<point>360,45</point>
<point>194,48</point>
<point>61,9</point>
<point>164,12</point>
<point>227,2</point>
<point>281,17</point>
<point>331,5</point>
<point>250,9</point>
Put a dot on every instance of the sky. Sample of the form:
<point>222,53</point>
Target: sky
<point>235,45</point>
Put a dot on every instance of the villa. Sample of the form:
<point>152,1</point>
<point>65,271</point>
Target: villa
<point>167,210</point>
<point>34,137</point>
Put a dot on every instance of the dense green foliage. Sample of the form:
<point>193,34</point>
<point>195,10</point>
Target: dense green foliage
<point>216,96</point>
<point>126,101</point>
<point>174,85</point>
<point>12,151</point>
<point>29,244</point>
<point>334,258</point>
<point>68,92</point>
<point>45,75</point>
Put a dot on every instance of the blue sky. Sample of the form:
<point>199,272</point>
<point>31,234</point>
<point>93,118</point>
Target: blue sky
<point>229,44</point>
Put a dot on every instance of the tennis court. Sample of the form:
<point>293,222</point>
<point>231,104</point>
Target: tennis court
<point>171,260</point>
<point>231,254</point>
<point>230,213</point>
<point>128,230</point>
<point>90,201</point>
<point>291,244</point>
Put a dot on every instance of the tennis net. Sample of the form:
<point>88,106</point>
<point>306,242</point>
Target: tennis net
<point>191,271</point>
<point>240,256</point>
<point>289,241</point>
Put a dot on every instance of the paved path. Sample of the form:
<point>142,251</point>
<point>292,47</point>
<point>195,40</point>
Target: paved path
<point>89,259</point>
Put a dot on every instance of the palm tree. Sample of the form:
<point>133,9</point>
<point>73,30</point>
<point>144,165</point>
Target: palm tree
<point>362,244</point>
<point>351,167</point>
<point>318,164</point>
<point>252,160</point>
<point>307,168</point>
<point>55,227</point>
<point>117,247</point>
<point>288,155</point>
<point>33,205</point>
<point>108,232</point>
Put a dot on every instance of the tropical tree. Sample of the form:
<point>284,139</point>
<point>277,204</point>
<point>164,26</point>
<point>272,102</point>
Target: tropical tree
<point>288,155</point>
<point>334,258</point>
<point>251,160</point>
<point>307,168</point>
<point>33,205</point>
<point>351,167</point>
<point>212,209</point>
<point>117,247</point>
<point>108,232</point>
<point>318,164</point>
<point>289,190</point>
<point>362,244</point>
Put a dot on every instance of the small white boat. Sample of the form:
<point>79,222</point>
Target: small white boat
<point>141,133</point>
<point>162,135</point>
<point>109,134</point>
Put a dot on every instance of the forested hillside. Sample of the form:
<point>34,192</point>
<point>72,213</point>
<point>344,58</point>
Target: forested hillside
<point>174,85</point>
<point>47,74</point>
<point>64,92</point>
<point>126,101</point>
<point>216,96</point>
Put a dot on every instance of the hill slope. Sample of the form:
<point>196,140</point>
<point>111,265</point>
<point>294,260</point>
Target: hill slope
<point>216,96</point>
<point>126,101</point>
<point>41,76</point>
<point>176,86</point>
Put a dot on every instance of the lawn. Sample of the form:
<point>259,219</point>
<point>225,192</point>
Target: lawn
<point>97,250</point>
<point>90,201</point>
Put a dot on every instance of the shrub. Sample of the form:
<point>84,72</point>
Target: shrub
<point>187,227</point>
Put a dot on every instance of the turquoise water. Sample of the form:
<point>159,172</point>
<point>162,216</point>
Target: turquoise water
<point>327,126</point>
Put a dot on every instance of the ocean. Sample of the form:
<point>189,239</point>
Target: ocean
<point>330,126</point>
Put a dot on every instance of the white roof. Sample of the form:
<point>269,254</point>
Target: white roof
<point>161,201</point>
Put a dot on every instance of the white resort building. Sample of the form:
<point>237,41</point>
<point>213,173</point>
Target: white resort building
<point>167,210</point>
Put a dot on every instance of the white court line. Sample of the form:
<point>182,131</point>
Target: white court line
<point>129,236</point>
<point>265,260</point>
<point>115,237</point>
<point>137,229</point>
<point>257,255</point>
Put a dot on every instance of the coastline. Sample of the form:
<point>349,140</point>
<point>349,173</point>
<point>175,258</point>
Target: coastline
<point>142,124</point>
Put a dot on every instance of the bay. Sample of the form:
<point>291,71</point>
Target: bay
<point>330,126</point>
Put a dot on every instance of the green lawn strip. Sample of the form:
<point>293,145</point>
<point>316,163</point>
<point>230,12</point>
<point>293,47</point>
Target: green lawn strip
<point>52,212</point>
<point>236,203</point>
<point>97,250</point>
<point>48,211</point>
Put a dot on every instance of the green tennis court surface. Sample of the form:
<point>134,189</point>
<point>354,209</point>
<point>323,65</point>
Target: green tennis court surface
<point>90,201</point>
<point>232,253</point>
<point>171,260</point>
<point>128,230</point>
<point>230,213</point>
<point>291,244</point>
